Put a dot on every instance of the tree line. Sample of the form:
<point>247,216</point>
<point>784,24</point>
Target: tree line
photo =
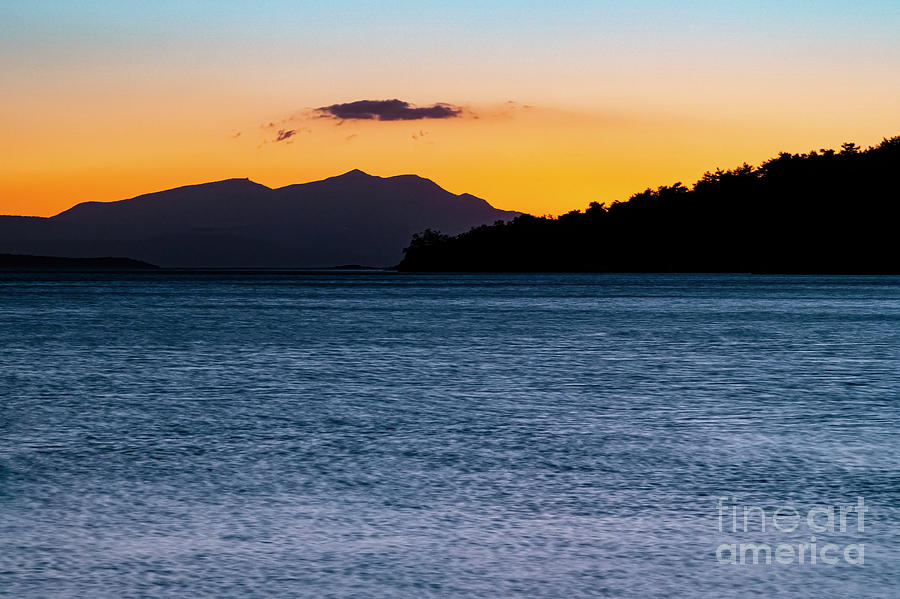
<point>826,211</point>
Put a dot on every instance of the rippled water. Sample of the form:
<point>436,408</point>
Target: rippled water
<point>389,435</point>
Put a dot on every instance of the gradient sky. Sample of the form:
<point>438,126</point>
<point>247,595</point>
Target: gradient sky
<point>575,101</point>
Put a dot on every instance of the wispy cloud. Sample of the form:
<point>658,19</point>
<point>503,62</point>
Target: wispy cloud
<point>388,110</point>
<point>352,115</point>
<point>284,134</point>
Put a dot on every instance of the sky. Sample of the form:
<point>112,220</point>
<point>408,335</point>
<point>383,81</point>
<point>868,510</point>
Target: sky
<point>547,106</point>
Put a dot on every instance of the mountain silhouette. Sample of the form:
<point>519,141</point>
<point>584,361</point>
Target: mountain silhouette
<point>354,218</point>
<point>19,262</point>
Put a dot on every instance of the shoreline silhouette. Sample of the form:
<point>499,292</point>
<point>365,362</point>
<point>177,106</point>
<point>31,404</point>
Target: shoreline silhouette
<point>822,212</point>
<point>826,212</point>
<point>28,262</point>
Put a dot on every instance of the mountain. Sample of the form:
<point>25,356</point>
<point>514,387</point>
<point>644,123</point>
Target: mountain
<point>354,218</point>
<point>20,262</point>
<point>825,211</point>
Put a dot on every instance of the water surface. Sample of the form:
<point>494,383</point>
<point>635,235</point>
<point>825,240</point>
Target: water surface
<point>392,435</point>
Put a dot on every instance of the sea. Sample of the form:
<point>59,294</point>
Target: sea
<point>380,434</point>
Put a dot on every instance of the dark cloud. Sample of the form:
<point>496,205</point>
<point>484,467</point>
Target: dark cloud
<point>284,134</point>
<point>388,110</point>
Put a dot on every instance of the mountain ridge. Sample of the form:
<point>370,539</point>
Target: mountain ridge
<point>351,218</point>
<point>25,262</point>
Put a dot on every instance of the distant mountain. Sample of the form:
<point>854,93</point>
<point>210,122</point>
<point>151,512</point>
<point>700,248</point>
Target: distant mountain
<point>826,211</point>
<point>354,218</point>
<point>21,262</point>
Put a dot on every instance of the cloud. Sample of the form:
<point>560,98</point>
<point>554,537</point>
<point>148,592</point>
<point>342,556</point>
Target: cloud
<point>388,110</point>
<point>284,134</point>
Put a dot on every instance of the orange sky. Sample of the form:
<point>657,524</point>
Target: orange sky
<point>121,101</point>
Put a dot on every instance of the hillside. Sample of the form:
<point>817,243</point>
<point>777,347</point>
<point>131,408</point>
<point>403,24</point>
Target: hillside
<point>20,262</point>
<point>354,218</point>
<point>824,211</point>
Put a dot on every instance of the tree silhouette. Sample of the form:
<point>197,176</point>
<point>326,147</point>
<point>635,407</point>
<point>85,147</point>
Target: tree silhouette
<point>823,211</point>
